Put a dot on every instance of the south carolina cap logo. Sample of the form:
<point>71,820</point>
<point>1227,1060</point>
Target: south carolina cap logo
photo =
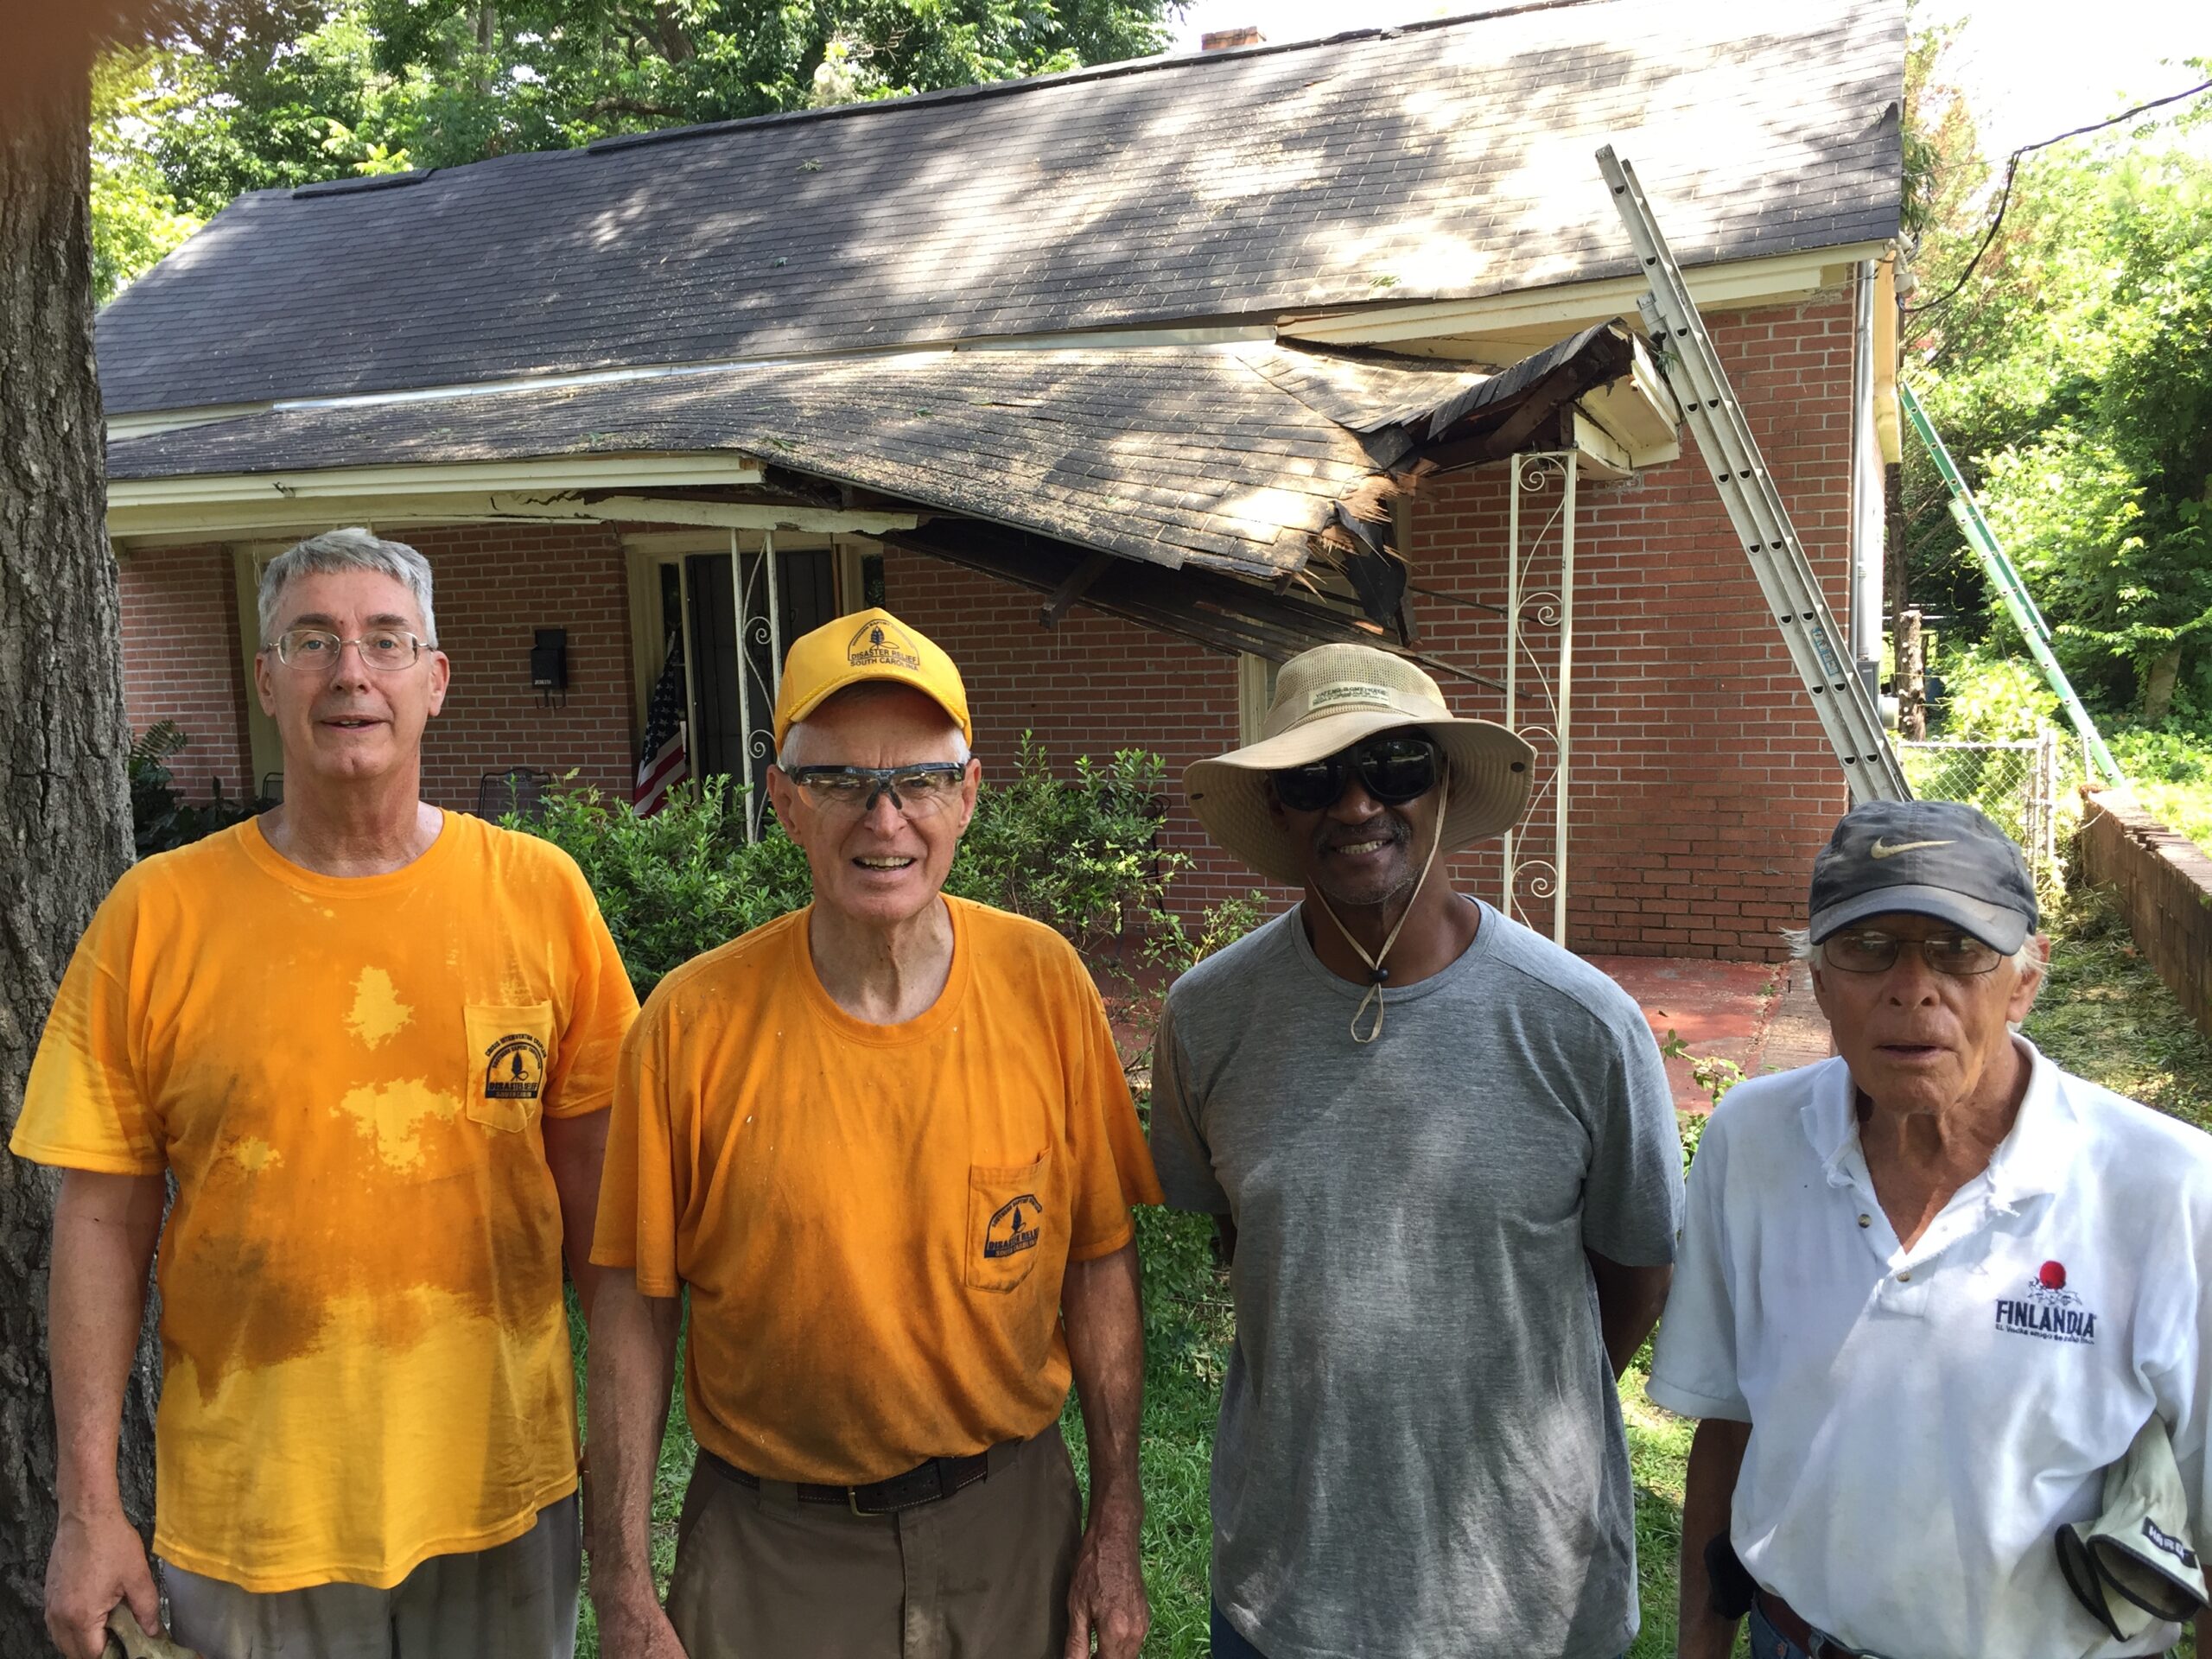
<point>880,645</point>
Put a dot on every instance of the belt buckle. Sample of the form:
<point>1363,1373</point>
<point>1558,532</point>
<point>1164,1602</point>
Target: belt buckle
<point>853,1502</point>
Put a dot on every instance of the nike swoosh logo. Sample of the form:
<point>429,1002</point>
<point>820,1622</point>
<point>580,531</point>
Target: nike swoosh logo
<point>1884,849</point>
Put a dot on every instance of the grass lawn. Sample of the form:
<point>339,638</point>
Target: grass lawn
<point>2171,776</point>
<point>2104,1015</point>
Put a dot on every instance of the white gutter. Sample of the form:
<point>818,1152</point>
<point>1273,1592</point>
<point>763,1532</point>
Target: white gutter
<point>218,520</point>
<point>458,478</point>
<point>1866,502</point>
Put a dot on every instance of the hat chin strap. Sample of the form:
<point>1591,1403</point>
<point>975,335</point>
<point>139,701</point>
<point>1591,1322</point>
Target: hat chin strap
<point>1377,973</point>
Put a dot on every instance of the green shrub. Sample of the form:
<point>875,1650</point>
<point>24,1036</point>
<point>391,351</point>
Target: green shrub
<point>679,882</point>
<point>1992,697</point>
<point>1079,855</point>
<point>2169,770</point>
<point>161,818</point>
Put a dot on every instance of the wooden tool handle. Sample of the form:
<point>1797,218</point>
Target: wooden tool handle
<point>126,1641</point>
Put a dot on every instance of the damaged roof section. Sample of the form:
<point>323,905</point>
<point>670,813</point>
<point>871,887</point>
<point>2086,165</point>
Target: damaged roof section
<point>1250,460</point>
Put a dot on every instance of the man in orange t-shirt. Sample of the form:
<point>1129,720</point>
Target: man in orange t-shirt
<point>373,1042</point>
<point>887,1145</point>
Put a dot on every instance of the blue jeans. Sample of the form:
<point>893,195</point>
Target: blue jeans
<point>1767,1643</point>
<point>1228,1643</point>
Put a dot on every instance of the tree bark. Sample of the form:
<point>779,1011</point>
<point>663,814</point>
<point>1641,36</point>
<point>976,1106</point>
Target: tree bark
<point>1911,679</point>
<point>2159,674</point>
<point>64,815</point>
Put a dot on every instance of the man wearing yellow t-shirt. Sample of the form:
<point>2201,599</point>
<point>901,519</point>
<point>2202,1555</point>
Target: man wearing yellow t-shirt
<point>373,1042</point>
<point>887,1145</point>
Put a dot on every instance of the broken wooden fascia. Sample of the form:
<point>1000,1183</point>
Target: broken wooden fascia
<point>1078,580</point>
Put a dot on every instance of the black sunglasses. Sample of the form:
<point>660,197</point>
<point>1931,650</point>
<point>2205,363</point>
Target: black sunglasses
<point>1394,767</point>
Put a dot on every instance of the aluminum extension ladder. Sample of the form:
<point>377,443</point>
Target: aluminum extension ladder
<point>1692,371</point>
<point>2004,576</point>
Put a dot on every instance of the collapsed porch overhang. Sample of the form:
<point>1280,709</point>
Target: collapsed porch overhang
<point>1240,494</point>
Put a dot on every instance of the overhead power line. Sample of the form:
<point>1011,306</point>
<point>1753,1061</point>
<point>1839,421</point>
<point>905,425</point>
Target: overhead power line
<point>2011,170</point>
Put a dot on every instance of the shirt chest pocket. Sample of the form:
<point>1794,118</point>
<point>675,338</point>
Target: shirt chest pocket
<point>1007,1220</point>
<point>510,1055</point>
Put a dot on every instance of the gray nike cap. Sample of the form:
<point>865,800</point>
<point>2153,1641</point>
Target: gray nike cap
<point>1925,858</point>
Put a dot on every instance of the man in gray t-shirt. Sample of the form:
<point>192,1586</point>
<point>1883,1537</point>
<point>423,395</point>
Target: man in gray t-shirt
<point>1443,1157</point>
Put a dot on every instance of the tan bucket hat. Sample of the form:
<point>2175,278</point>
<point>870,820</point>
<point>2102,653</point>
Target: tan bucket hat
<point>1327,699</point>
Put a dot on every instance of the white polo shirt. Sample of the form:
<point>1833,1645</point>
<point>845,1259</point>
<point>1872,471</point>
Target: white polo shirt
<point>1924,1419</point>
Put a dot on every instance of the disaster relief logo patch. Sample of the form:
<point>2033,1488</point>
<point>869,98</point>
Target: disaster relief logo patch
<point>878,646</point>
<point>1013,1228</point>
<point>514,1067</point>
<point>2047,1309</point>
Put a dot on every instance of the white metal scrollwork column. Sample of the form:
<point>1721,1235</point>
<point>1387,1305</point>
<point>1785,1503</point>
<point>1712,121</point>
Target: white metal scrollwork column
<point>760,624</point>
<point>1534,476</point>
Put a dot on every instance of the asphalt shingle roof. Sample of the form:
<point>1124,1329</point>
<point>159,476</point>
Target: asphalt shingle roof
<point>1199,455</point>
<point>1443,161</point>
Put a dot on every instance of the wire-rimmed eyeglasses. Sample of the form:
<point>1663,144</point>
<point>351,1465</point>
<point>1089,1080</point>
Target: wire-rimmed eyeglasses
<point>317,649</point>
<point>1865,951</point>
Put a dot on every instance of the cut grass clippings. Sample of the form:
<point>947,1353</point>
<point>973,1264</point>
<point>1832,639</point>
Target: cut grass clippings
<point>2104,1015</point>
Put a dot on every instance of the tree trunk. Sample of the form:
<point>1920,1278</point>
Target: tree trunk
<point>64,815</point>
<point>1911,679</point>
<point>2158,676</point>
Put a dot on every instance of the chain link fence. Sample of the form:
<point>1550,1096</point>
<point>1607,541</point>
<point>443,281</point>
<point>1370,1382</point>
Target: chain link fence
<point>2030,788</point>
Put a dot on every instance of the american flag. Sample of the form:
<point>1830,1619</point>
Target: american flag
<point>662,759</point>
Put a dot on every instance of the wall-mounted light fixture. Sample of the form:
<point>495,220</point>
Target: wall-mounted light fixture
<point>549,667</point>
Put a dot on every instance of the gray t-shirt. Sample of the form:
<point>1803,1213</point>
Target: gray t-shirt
<point>1420,1452</point>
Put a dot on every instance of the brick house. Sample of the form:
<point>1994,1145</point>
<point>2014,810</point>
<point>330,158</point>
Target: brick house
<point>1219,355</point>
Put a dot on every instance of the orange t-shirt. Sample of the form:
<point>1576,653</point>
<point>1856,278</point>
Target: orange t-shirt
<point>367,1360</point>
<point>874,1220</point>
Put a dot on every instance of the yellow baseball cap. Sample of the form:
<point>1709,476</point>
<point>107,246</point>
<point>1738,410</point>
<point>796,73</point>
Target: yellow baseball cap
<point>866,645</point>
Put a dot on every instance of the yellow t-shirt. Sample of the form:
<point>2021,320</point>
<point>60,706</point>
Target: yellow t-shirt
<point>367,1360</point>
<point>874,1220</point>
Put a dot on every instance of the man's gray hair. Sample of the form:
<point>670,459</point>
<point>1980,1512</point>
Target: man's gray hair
<point>337,550</point>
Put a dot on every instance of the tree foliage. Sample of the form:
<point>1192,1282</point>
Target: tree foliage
<point>2071,375</point>
<point>294,92</point>
<point>135,219</point>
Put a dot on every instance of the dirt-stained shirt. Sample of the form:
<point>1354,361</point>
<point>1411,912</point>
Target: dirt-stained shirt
<point>874,1220</point>
<point>366,1356</point>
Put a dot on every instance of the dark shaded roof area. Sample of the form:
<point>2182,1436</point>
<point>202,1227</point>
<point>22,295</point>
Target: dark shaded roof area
<point>1442,160</point>
<point>1229,457</point>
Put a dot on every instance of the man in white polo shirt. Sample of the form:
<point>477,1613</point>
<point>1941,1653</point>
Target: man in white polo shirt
<point>1928,1290</point>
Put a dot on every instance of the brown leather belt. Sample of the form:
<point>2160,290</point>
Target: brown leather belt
<point>1777,1612</point>
<point>927,1483</point>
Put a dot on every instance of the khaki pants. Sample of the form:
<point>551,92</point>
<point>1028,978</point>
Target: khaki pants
<point>983,1574</point>
<point>516,1600</point>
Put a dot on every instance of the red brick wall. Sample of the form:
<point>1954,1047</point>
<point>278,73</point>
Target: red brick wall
<point>1093,685</point>
<point>1701,783</point>
<point>494,585</point>
<point>2164,883</point>
<point>182,661</point>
